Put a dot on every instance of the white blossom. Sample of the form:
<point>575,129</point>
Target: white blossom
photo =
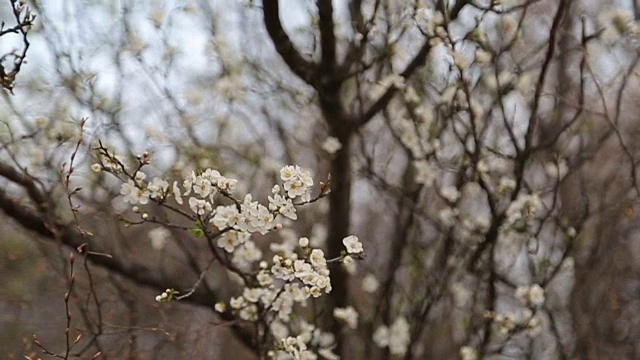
<point>399,336</point>
<point>531,295</point>
<point>246,254</point>
<point>482,166</point>
<point>264,278</point>
<point>199,206</point>
<point>303,242</point>
<point>225,216</point>
<point>396,337</point>
<point>370,284</point>
<point>279,330</point>
<point>42,123</point>
<point>230,240</point>
<point>237,302</point>
<point>282,205</point>
<point>349,315</point>
<point>349,265</point>
<point>450,193</point>
<point>220,307</point>
<point>296,347</point>
<point>317,259</point>
<point>176,193</point>
<point>482,58</point>
<point>202,186</point>
<point>331,145</point>
<point>297,182</point>
<point>114,163</point>
<point>524,208</point>
<point>353,245</point>
<point>424,173</point>
<point>448,216</point>
<point>506,185</point>
<point>556,170</point>
<point>134,195</point>
<point>617,22</point>
<point>468,353</point>
<point>159,237</point>
<point>157,188</point>
<point>249,313</point>
<point>381,336</point>
<point>505,322</point>
<point>254,217</point>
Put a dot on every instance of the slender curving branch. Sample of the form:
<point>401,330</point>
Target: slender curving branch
<point>418,61</point>
<point>69,235</point>
<point>303,68</point>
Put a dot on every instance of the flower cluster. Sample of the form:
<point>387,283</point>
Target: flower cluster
<point>297,272</point>
<point>308,337</point>
<point>617,23</point>
<point>243,250</point>
<point>293,277</point>
<point>246,216</point>
<point>523,210</point>
<point>348,315</point>
<point>110,162</point>
<point>207,184</point>
<point>505,322</point>
<point>251,217</point>
<point>204,187</point>
<point>299,279</point>
<point>468,353</point>
<point>531,295</point>
<point>510,322</point>
<point>282,204</point>
<point>297,182</point>
<point>134,193</point>
<point>296,348</point>
<point>167,295</point>
<point>255,217</point>
<point>311,272</point>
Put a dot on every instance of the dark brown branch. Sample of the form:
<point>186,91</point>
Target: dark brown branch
<point>356,48</point>
<point>455,11</point>
<point>339,223</point>
<point>327,38</point>
<point>24,180</point>
<point>301,67</point>
<point>7,77</point>
<point>140,274</point>
<point>553,35</point>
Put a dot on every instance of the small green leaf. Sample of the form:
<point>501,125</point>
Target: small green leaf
<point>196,232</point>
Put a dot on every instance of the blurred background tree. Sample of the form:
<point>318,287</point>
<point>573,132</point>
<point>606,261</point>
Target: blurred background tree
<point>482,150</point>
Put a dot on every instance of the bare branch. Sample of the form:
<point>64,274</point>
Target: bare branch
<point>303,68</point>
